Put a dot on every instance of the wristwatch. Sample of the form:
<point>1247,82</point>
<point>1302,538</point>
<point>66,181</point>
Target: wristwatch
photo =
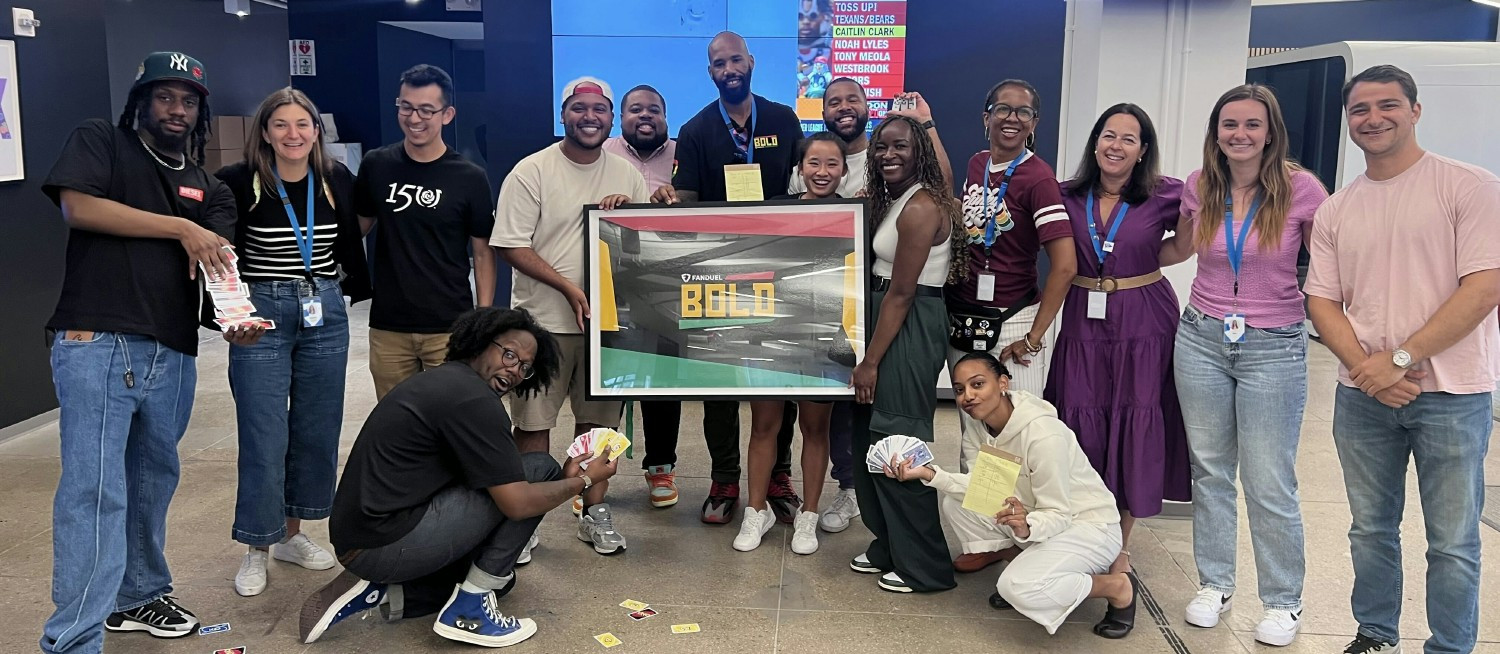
<point>929,124</point>
<point>586,481</point>
<point>1401,358</point>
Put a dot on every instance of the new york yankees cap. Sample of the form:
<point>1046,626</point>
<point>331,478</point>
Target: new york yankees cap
<point>160,66</point>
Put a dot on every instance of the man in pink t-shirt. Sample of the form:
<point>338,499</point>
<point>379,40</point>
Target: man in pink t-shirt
<point>1403,288</point>
<point>643,139</point>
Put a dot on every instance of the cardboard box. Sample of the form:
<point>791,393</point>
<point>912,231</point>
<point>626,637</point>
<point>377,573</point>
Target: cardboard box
<point>227,132</point>
<point>213,160</point>
<point>348,154</point>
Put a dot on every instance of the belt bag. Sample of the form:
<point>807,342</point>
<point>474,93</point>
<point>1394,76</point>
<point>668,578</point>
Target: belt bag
<point>973,328</point>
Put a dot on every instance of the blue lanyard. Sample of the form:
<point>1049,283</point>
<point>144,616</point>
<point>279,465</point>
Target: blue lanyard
<point>304,244</point>
<point>749,136</point>
<point>1114,228</point>
<point>990,211</point>
<point>1235,247</point>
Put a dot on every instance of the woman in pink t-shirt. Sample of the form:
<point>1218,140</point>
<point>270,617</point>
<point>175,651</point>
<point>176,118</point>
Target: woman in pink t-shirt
<point>1241,354</point>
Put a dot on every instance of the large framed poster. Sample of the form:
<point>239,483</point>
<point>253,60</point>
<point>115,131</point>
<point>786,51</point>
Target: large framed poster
<point>12,155</point>
<point>727,300</point>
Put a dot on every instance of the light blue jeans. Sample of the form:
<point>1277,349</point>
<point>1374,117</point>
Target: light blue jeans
<point>1242,405</point>
<point>1448,436</point>
<point>119,471</point>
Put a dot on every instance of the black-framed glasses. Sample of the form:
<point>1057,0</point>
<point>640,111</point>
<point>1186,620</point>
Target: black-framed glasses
<point>511,359</point>
<point>426,113</point>
<point>1022,113</point>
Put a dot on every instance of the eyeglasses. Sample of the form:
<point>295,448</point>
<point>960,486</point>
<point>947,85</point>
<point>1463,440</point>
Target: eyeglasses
<point>1023,113</point>
<point>425,112</point>
<point>512,360</point>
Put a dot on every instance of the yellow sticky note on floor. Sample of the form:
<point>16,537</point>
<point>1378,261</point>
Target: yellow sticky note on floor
<point>633,605</point>
<point>686,628</point>
<point>992,478</point>
<point>607,640</point>
<point>742,183</point>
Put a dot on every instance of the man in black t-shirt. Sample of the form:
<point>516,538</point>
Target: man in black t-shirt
<point>429,207</point>
<point>435,493</point>
<point>738,128</point>
<point>142,219</point>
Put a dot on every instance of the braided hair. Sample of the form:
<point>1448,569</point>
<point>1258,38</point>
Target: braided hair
<point>929,177</point>
<point>140,98</point>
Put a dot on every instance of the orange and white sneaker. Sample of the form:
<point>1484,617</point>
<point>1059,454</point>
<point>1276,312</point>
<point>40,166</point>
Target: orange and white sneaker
<point>578,505</point>
<point>663,486</point>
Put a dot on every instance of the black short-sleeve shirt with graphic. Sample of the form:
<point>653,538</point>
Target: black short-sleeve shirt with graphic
<point>704,147</point>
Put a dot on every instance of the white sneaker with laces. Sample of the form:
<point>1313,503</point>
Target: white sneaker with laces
<point>1278,627</point>
<point>251,579</point>
<point>845,507</point>
<point>754,528</point>
<point>1206,607</point>
<point>805,533</point>
<point>525,556</point>
<point>302,551</point>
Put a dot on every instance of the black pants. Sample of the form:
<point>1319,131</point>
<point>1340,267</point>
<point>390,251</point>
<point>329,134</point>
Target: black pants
<point>721,429</point>
<point>903,516</point>
<point>462,527</point>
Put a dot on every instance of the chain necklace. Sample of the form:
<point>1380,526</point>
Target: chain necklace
<point>164,164</point>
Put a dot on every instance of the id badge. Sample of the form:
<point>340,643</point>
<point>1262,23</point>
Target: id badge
<point>312,312</point>
<point>1234,328</point>
<point>986,288</point>
<point>1109,246</point>
<point>1097,300</point>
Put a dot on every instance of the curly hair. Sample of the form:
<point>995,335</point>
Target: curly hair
<point>476,330</point>
<point>929,177</point>
<point>140,98</point>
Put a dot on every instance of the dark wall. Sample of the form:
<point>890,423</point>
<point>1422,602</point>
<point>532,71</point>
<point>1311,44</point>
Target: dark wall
<point>245,57</point>
<point>63,80</point>
<point>1299,26</point>
<point>400,49</point>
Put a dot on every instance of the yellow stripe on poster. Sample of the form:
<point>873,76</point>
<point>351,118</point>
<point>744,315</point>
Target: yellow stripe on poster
<point>851,305</point>
<point>609,314</point>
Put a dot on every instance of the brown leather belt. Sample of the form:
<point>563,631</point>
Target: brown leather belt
<point>1112,284</point>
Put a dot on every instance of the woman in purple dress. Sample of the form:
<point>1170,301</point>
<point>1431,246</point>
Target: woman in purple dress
<point>1111,376</point>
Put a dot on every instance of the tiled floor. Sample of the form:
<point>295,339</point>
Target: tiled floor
<point>769,600</point>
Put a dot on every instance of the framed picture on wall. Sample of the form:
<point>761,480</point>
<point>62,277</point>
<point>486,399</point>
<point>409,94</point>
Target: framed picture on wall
<point>12,161</point>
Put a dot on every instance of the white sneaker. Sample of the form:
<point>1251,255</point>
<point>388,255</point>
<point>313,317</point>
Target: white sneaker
<point>755,526</point>
<point>302,551</point>
<point>805,533</point>
<point>1278,627</point>
<point>1205,608</point>
<point>525,556</point>
<point>843,509</point>
<point>251,579</point>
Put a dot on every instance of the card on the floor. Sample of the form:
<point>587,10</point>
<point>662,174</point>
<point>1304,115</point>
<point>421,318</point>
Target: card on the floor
<point>642,614</point>
<point>691,628</point>
<point>607,640</point>
<point>231,650</point>
<point>634,605</point>
<point>214,629</point>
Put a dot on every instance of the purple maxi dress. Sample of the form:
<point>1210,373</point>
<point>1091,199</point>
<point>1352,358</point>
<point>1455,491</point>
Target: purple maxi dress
<point>1111,379</point>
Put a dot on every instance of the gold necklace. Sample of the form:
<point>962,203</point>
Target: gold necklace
<point>151,152</point>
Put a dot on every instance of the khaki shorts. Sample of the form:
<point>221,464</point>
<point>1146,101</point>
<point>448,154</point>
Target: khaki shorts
<point>539,413</point>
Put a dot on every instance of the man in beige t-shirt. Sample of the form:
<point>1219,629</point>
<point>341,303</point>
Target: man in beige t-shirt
<point>1403,287</point>
<point>539,230</point>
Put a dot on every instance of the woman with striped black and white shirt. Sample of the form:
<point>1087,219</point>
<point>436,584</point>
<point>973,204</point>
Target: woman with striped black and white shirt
<point>300,254</point>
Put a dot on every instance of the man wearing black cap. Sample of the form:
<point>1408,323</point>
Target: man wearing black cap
<point>144,222</point>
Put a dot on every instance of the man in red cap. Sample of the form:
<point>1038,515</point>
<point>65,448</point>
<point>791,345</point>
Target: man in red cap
<point>539,232</point>
<point>144,222</point>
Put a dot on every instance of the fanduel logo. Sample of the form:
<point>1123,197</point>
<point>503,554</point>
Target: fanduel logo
<point>701,278</point>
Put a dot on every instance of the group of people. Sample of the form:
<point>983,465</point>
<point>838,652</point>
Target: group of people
<point>1136,403</point>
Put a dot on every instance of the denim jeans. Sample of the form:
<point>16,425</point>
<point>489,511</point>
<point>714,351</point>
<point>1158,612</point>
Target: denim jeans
<point>461,527</point>
<point>119,470</point>
<point>1448,436</point>
<point>1242,405</point>
<point>289,398</point>
<point>840,443</point>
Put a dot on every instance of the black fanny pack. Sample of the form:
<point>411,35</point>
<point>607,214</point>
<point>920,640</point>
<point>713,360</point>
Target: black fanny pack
<point>974,328</point>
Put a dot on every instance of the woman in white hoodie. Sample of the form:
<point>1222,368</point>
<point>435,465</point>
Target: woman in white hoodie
<point>1061,515</point>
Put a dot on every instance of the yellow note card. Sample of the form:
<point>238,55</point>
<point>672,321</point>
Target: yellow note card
<point>992,478</point>
<point>742,183</point>
<point>691,628</point>
<point>607,640</point>
<point>633,605</point>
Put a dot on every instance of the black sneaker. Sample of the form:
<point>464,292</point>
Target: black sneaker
<point>162,618</point>
<point>783,498</point>
<point>1363,644</point>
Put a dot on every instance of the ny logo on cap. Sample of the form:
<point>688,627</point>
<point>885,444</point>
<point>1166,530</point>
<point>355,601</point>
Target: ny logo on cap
<point>179,62</point>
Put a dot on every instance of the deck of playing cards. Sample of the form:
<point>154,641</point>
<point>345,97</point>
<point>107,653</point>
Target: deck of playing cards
<point>897,447</point>
<point>598,442</point>
<point>231,297</point>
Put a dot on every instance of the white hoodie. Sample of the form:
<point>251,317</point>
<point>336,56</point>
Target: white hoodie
<point>1057,485</point>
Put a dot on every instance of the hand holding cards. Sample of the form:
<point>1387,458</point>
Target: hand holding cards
<point>231,297</point>
<point>899,448</point>
<point>598,442</point>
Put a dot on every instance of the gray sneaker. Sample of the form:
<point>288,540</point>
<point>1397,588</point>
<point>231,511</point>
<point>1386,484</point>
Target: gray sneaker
<point>595,526</point>
<point>843,509</point>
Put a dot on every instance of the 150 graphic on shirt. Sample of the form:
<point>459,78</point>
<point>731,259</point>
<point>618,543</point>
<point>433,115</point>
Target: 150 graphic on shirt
<point>413,193</point>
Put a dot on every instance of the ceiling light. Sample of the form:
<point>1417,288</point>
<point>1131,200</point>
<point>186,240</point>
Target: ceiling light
<point>237,7</point>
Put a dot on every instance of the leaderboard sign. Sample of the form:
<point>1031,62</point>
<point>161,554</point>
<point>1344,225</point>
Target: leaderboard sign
<point>865,41</point>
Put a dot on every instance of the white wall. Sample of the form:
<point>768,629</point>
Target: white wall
<point>1174,58</point>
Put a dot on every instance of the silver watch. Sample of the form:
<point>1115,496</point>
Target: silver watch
<point>1401,358</point>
